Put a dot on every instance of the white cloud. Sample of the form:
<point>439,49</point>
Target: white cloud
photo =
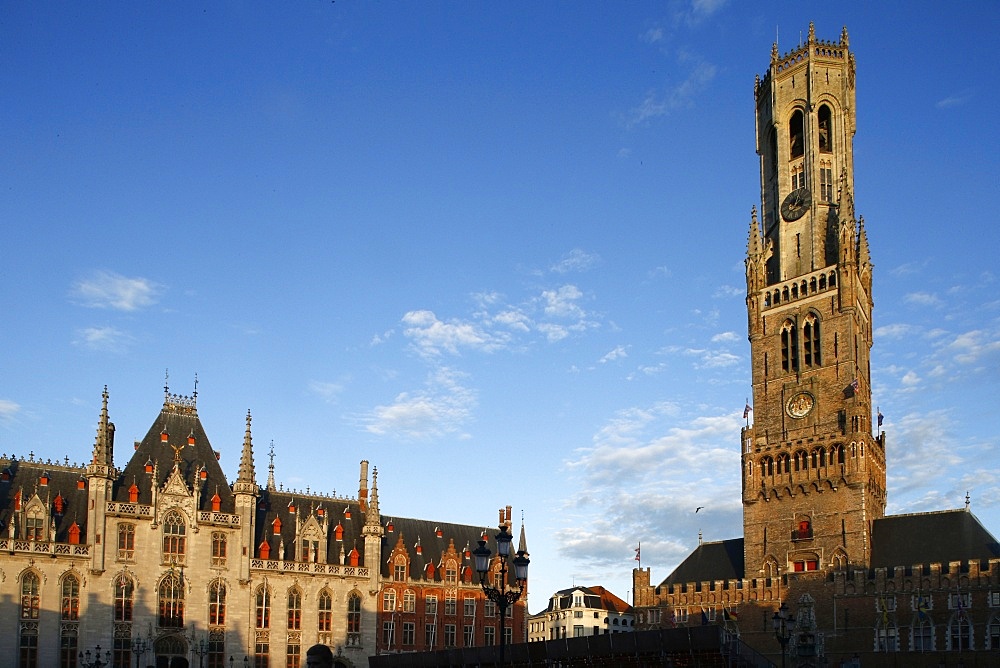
<point>432,336</point>
<point>329,392</point>
<point>442,407</point>
<point>106,289</point>
<point>655,105</point>
<point>618,353</point>
<point>652,36</point>
<point>8,410</point>
<point>576,260</point>
<point>107,339</point>
<point>922,299</point>
<point>726,337</point>
<point>562,302</point>
<point>894,331</point>
<point>969,347</point>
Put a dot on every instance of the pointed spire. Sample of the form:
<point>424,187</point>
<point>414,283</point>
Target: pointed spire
<point>812,33</point>
<point>754,243</point>
<point>864,253</point>
<point>522,542</point>
<point>373,504</point>
<point>245,478</point>
<point>270,469</point>
<point>844,41</point>
<point>101,454</point>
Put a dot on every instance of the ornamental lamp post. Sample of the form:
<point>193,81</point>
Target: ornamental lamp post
<point>782,623</point>
<point>85,661</point>
<point>504,595</point>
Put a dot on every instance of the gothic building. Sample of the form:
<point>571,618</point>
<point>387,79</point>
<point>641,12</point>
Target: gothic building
<point>166,563</point>
<point>813,468</point>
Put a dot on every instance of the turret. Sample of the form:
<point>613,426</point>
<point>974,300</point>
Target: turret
<point>246,492</point>
<point>100,474</point>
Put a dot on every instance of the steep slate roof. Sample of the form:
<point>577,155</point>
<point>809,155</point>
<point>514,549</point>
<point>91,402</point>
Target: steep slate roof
<point>593,597</point>
<point>433,547</point>
<point>935,537</point>
<point>721,560</point>
<point>179,418</point>
<point>275,504</point>
<point>24,475</point>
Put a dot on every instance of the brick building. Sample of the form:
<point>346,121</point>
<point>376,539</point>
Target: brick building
<point>813,467</point>
<point>166,563</point>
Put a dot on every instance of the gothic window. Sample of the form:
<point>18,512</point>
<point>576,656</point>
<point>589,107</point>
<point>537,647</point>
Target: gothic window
<point>261,654</point>
<point>789,347</point>
<point>887,638</point>
<point>124,597</point>
<point>993,634</point>
<point>29,596</point>
<point>217,604</point>
<point>354,619</point>
<point>68,645</point>
<point>399,570</point>
<point>837,454</point>
<point>811,341</point>
<point>839,561</point>
<point>293,655</point>
<point>798,177</point>
<point>173,538</point>
<point>70,610</point>
<point>126,542</point>
<point>409,601</point>
<point>922,635</point>
<point>262,607</point>
<point>783,465</point>
<point>795,138</point>
<point>389,600</point>
<point>766,466</point>
<point>294,610</point>
<point>960,632</point>
<point>171,601</point>
<point>218,548</point>
<point>803,530</point>
<point>825,129</point>
<point>325,622</point>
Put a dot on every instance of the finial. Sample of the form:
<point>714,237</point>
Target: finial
<point>195,395</point>
<point>774,52</point>
<point>812,33</point>
<point>166,384</point>
<point>843,37</point>
<point>967,499</point>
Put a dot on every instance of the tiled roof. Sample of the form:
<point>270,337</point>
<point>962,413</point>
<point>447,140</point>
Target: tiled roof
<point>274,504</point>
<point>927,538</point>
<point>25,476</point>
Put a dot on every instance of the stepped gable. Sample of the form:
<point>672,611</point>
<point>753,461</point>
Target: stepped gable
<point>278,505</point>
<point>720,560</point>
<point>64,498</point>
<point>179,420</point>
<point>434,546</point>
<point>931,538</point>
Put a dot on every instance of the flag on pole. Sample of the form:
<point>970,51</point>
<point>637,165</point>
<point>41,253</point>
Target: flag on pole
<point>880,418</point>
<point>855,385</point>
<point>922,608</point>
<point>746,411</point>
<point>637,552</point>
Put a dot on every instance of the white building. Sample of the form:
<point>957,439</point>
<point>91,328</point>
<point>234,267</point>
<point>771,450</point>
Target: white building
<point>581,611</point>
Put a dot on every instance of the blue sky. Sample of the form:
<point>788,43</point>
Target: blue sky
<point>494,248</point>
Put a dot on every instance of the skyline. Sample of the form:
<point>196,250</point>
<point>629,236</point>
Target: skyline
<point>474,245</point>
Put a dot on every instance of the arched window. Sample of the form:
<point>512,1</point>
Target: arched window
<point>35,523</point>
<point>354,619</point>
<point>171,601</point>
<point>839,561</point>
<point>960,632</point>
<point>811,341</point>
<point>124,596</point>
<point>389,600</point>
<point>294,609</point>
<point>922,633</point>
<point>262,606</point>
<point>70,610</point>
<point>217,603</point>
<point>218,548</point>
<point>795,138</point>
<point>789,347</point>
<point>993,633</point>
<point>886,637</point>
<point>29,596</point>
<point>783,465</point>
<point>825,129</point>
<point>325,623</point>
<point>173,538</point>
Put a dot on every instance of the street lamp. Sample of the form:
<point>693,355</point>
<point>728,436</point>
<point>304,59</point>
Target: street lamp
<point>782,622</point>
<point>246,661</point>
<point>201,649</point>
<point>139,647</point>
<point>85,661</point>
<point>504,595</point>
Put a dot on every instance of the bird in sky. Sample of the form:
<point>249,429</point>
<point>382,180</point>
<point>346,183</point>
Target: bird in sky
<point>698,508</point>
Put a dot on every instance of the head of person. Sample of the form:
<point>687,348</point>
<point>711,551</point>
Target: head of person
<point>319,656</point>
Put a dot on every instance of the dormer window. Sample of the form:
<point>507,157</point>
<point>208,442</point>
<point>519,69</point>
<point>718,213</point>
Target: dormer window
<point>216,502</point>
<point>347,513</point>
<point>74,534</point>
<point>43,480</point>
<point>149,465</point>
<point>133,493</point>
<point>338,532</point>
<point>276,526</point>
<point>265,550</point>
<point>291,507</point>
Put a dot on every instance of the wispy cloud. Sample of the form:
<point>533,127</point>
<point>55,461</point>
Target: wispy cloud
<point>955,100</point>
<point>660,103</point>
<point>8,410</point>
<point>576,260</point>
<point>107,339</point>
<point>922,299</point>
<point>619,352</point>
<point>432,336</point>
<point>106,289</point>
<point>329,392</point>
<point>442,407</point>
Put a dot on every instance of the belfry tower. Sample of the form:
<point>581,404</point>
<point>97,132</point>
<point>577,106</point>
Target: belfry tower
<point>813,472</point>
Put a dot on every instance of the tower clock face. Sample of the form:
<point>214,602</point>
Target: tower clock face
<point>796,204</point>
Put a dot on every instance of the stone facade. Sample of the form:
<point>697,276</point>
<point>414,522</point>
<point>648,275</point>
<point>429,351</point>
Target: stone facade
<point>165,563</point>
<point>813,467</point>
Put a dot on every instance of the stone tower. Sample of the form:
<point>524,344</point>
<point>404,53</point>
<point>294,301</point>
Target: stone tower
<point>813,472</point>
